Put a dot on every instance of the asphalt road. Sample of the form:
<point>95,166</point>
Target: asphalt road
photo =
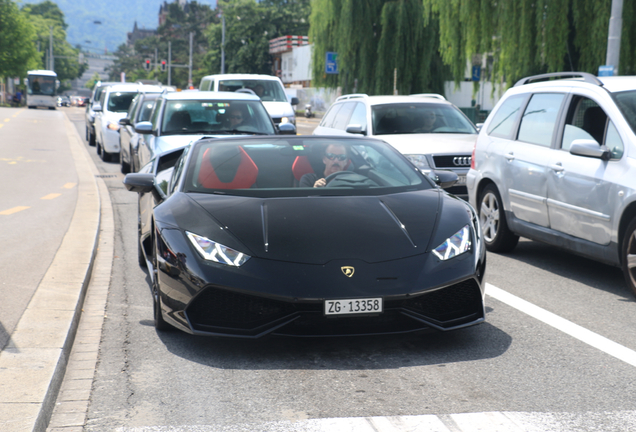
<point>36,204</point>
<point>557,353</point>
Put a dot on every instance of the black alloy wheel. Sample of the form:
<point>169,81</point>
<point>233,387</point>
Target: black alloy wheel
<point>497,236</point>
<point>160,323</point>
<point>628,256</point>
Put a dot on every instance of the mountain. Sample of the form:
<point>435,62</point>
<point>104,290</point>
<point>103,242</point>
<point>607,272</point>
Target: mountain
<point>99,25</point>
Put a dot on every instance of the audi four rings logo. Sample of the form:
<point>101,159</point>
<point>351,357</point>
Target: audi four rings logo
<point>461,161</point>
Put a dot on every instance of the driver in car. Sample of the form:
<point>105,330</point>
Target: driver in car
<point>335,159</point>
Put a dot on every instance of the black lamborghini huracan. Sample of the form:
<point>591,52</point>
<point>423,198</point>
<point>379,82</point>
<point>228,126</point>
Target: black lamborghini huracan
<point>305,236</point>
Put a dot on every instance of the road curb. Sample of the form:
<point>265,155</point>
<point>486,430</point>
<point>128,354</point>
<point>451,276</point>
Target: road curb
<point>33,363</point>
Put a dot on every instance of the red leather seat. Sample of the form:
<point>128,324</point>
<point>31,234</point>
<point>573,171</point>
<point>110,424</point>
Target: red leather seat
<point>301,166</point>
<point>227,168</point>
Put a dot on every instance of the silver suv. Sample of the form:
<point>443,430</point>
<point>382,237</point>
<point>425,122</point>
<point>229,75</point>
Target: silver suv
<point>430,131</point>
<point>556,162</point>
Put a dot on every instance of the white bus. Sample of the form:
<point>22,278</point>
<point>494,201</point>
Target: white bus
<point>41,87</point>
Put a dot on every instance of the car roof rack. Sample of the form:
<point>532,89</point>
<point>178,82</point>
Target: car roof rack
<point>429,95</point>
<point>587,77</point>
<point>352,96</point>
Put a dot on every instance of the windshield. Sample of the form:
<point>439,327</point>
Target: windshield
<point>41,85</point>
<point>267,90</point>
<point>216,117</point>
<point>626,102</point>
<point>286,167</point>
<point>145,110</point>
<point>120,101</point>
<point>417,118</point>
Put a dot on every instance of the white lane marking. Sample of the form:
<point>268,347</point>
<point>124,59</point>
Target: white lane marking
<point>568,327</point>
<point>508,421</point>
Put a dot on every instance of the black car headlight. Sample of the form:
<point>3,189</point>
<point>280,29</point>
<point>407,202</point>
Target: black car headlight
<point>455,245</point>
<point>213,251</point>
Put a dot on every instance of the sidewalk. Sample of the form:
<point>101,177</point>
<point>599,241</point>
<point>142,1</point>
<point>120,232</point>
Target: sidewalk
<point>33,364</point>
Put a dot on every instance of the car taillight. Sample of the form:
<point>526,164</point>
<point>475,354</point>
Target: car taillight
<point>472,157</point>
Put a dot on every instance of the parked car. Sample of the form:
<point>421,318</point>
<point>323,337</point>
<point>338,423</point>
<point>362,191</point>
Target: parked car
<point>269,88</point>
<point>181,117</point>
<point>89,115</point>
<point>554,163</point>
<point>224,232</point>
<point>430,131</point>
<point>112,106</point>
<point>140,110</point>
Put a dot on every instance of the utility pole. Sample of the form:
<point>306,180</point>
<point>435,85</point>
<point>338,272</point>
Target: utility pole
<point>51,58</point>
<point>222,44</point>
<point>614,35</point>
<point>169,62</point>
<point>190,63</point>
<point>156,60</point>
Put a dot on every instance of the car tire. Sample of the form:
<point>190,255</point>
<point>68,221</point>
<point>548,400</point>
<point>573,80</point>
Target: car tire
<point>140,253</point>
<point>91,139</point>
<point>628,256</point>
<point>103,154</point>
<point>497,236</point>
<point>125,166</point>
<point>160,323</point>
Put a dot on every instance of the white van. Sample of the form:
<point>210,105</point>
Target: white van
<point>269,88</point>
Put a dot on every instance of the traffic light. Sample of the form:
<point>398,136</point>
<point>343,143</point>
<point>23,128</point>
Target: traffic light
<point>147,64</point>
<point>163,65</point>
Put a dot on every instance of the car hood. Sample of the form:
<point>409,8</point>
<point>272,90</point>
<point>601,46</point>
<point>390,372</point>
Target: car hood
<point>170,142</point>
<point>431,143</point>
<point>278,109</point>
<point>316,230</point>
<point>113,117</point>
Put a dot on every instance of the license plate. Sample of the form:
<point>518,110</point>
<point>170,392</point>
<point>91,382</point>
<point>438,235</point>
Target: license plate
<point>461,180</point>
<point>353,306</point>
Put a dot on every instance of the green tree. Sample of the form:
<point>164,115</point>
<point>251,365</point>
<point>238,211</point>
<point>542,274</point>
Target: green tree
<point>47,15</point>
<point>91,82</point>
<point>525,37</point>
<point>18,52</point>
<point>176,30</point>
<point>249,26</point>
<point>376,40</point>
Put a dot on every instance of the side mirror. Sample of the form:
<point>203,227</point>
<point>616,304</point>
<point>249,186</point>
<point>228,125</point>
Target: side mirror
<point>144,128</point>
<point>97,107</point>
<point>590,148</point>
<point>355,129</point>
<point>286,129</point>
<point>142,183</point>
<point>125,121</point>
<point>443,178</point>
<point>294,100</point>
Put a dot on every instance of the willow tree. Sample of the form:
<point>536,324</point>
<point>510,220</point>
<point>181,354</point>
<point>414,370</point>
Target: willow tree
<point>374,38</point>
<point>525,37</point>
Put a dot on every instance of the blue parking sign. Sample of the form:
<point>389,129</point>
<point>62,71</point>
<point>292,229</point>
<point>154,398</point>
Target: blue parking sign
<point>331,65</point>
<point>606,70</point>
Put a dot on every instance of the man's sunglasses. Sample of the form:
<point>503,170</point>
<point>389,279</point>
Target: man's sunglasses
<point>340,157</point>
